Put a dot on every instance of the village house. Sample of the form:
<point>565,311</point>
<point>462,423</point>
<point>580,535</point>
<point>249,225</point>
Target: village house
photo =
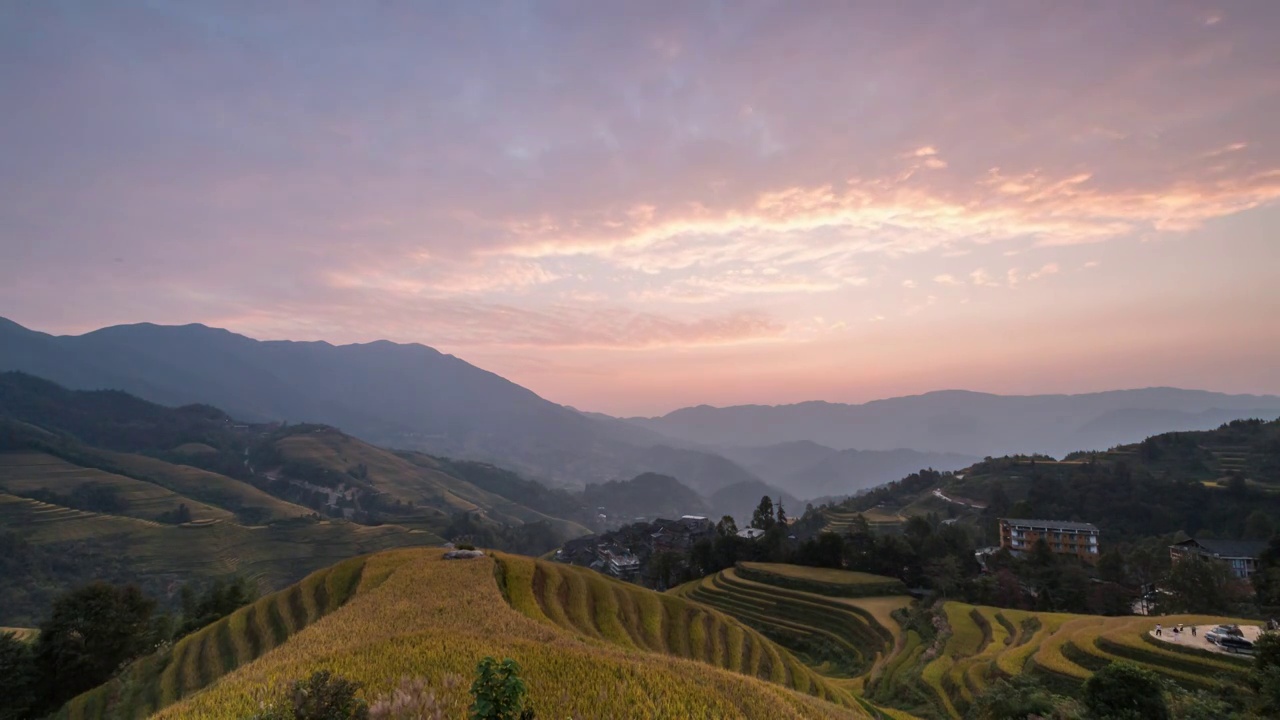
<point>1062,537</point>
<point>1240,555</point>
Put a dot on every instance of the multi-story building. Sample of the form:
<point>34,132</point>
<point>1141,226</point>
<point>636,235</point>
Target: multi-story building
<point>1062,537</point>
<point>1240,555</point>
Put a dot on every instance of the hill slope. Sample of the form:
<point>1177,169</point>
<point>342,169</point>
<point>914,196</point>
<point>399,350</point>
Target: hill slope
<point>412,613</point>
<point>404,396</point>
<point>969,423</point>
<point>901,656</point>
<point>809,470</point>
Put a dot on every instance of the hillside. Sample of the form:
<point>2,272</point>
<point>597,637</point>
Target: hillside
<point>1194,482</point>
<point>404,396</point>
<point>267,501</point>
<point>645,496</point>
<point>895,654</point>
<point>409,612</point>
<point>808,470</point>
<point>969,423</point>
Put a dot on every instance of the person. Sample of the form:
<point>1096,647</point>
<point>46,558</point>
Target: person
<point>1193,631</point>
<point>1158,630</point>
<point>1175,633</point>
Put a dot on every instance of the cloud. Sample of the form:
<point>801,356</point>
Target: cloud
<point>946,279</point>
<point>980,278</point>
<point>1047,270</point>
<point>909,284</point>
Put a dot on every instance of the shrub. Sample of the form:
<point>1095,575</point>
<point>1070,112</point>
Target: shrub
<point>499,692</point>
<point>1121,691</point>
<point>323,696</point>
<point>464,546</point>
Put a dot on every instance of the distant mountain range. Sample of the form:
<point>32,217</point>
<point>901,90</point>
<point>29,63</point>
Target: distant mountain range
<point>412,397</point>
<point>967,423</point>
<point>403,396</point>
<point>809,470</point>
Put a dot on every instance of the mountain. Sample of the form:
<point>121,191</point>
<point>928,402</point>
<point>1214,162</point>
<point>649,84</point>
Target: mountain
<point>1222,483</point>
<point>645,496</point>
<point>809,470</point>
<point>102,484</point>
<point>968,423</point>
<point>403,396</point>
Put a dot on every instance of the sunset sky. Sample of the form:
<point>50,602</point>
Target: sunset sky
<point>633,207</point>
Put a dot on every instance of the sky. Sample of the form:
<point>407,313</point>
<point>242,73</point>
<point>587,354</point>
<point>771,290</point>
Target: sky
<point>635,207</point>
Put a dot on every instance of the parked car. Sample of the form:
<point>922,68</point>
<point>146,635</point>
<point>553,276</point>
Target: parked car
<point>1217,634</point>
<point>1231,643</point>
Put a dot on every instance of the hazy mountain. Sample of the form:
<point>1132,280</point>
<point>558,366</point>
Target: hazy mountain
<point>649,495</point>
<point>405,396</point>
<point>971,423</point>
<point>809,470</point>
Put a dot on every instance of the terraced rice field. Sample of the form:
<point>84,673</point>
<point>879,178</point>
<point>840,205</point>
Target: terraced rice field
<point>22,634</point>
<point>839,637</point>
<point>987,643</point>
<point>198,660</point>
<point>25,473</point>
<point>841,521</point>
<point>590,647</point>
<point>823,581</point>
<point>859,643</point>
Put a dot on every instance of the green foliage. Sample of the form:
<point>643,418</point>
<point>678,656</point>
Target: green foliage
<point>1021,697</point>
<point>1264,678</point>
<point>323,696</point>
<point>762,518</point>
<point>17,678</point>
<point>1121,691</point>
<point>499,692</point>
<point>220,599</point>
<point>1197,585</point>
<point>91,633</point>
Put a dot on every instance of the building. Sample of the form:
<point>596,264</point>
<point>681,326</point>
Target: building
<point>750,533</point>
<point>1240,555</point>
<point>1062,537</point>
<point>618,561</point>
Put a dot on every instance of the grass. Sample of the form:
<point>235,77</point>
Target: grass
<point>428,617</point>
<point>26,473</point>
<point>198,660</point>
<point>415,480</point>
<point>979,645</point>
<point>820,581</point>
<point>837,637</point>
<point>21,634</point>
<point>273,555</point>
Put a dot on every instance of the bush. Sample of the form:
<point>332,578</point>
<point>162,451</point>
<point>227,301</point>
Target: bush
<point>464,546</point>
<point>1121,691</point>
<point>323,696</point>
<point>499,692</point>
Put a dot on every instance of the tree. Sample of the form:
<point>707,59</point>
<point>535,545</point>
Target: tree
<point>1121,691</point>
<point>1111,567</point>
<point>1022,696</point>
<point>1258,526</point>
<point>727,526</point>
<point>1198,585</point>
<point>91,632</point>
<point>1266,579</point>
<point>782,514</point>
<point>1264,678</point>
<point>762,518</point>
<point>499,692</point>
<point>323,696</point>
<point>17,678</point>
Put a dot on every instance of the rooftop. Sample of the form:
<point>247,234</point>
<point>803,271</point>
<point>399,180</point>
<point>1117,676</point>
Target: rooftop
<point>1229,548</point>
<point>1053,524</point>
